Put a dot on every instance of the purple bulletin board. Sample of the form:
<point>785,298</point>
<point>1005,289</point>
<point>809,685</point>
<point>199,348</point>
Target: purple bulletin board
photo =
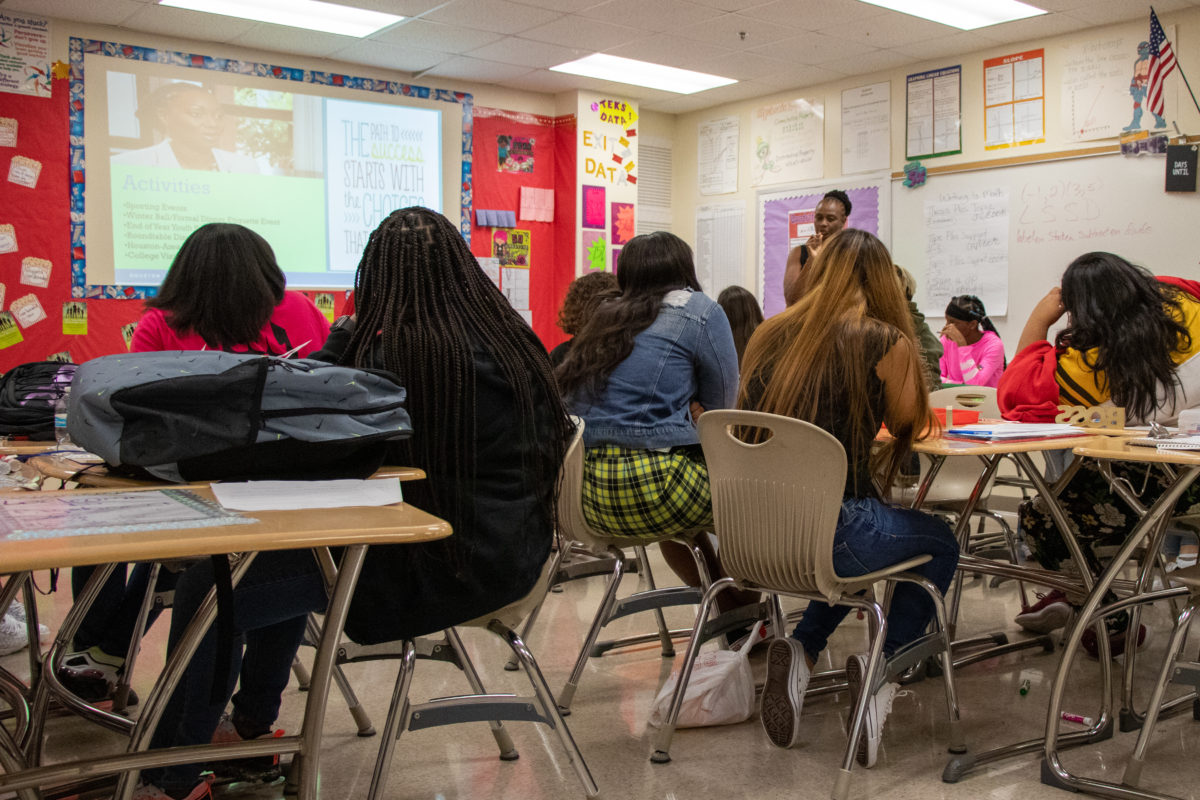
<point>871,201</point>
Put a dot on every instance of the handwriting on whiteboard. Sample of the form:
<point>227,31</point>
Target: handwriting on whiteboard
<point>1069,211</point>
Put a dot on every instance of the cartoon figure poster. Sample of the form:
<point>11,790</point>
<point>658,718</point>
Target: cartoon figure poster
<point>515,153</point>
<point>511,246</point>
<point>789,141</point>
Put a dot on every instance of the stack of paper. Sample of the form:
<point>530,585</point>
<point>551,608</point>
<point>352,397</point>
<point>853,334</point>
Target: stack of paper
<point>1000,431</point>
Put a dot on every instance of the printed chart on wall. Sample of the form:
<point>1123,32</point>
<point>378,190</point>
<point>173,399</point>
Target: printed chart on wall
<point>717,155</point>
<point>1104,83</point>
<point>789,142</point>
<point>1014,102</point>
<point>785,220</point>
<point>934,113</point>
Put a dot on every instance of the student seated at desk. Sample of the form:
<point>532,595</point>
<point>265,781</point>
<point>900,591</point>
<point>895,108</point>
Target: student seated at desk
<point>1131,340</point>
<point>640,363</point>
<point>972,352</point>
<point>843,358</point>
<point>584,293</point>
<point>224,291</point>
<point>488,429</point>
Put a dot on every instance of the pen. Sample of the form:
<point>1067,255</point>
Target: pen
<point>1077,719</point>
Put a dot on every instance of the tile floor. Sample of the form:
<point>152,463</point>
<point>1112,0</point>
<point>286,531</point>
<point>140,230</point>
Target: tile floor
<point>736,761</point>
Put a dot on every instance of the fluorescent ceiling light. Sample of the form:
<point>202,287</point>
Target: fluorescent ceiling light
<point>642,73</point>
<point>309,14</point>
<point>964,14</point>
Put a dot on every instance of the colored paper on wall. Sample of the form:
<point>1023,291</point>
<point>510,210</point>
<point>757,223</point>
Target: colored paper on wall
<point>75,318</point>
<point>325,304</point>
<point>8,132</point>
<point>595,251</point>
<point>511,246</point>
<point>537,205</point>
<point>491,268</point>
<point>593,207</point>
<point>10,334</point>
<point>623,228</point>
<point>616,257</point>
<point>127,334</point>
<point>35,272</point>
<point>25,56</point>
<point>515,153</point>
<point>2,291</point>
<point>28,310</point>
<point>24,171</point>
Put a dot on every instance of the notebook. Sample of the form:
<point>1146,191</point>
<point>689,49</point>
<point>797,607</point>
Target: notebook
<point>1179,441</point>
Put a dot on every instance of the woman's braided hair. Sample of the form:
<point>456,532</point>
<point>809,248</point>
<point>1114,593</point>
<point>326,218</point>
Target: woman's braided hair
<point>423,306</point>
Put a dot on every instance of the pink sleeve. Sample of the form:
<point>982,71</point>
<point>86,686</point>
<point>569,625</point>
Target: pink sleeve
<point>316,327</point>
<point>147,336</point>
<point>990,359</point>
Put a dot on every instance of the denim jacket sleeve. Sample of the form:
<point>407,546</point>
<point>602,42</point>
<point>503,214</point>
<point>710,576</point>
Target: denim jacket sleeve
<point>716,362</point>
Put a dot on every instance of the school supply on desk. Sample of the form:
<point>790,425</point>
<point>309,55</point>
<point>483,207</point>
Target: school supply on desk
<point>57,514</point>
<point>1013,431</point>
<point>208,415</point>
<point>27,396</point>
<point>1179,441</point>
<point>291,495</point>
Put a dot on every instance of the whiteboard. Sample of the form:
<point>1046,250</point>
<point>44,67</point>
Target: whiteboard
<point>1059,210</point>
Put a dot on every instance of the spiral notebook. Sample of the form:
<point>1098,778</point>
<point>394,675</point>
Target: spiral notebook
<point>1175,442</point>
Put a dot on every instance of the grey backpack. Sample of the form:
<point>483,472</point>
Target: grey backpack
<point>208,415</point>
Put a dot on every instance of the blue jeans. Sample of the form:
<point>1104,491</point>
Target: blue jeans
<point>270,607</point>
<point>871,536</point>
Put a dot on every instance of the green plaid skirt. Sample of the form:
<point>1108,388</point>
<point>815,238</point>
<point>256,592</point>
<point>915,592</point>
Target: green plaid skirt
<point>645,493</point>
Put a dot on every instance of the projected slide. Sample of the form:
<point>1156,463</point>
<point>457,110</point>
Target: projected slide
<point>312,174</point>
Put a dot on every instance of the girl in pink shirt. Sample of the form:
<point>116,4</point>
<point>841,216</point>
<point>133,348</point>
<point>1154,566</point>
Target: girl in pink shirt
<point>972,352</point>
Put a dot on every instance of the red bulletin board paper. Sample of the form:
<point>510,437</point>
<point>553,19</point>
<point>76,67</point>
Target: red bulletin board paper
<point>550,270</point>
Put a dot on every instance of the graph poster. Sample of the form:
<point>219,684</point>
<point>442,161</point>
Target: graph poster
<point>1014,100</point>
<point>934,113</point>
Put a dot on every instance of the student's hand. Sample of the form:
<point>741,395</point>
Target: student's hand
<point>951,332</point>
<point>1049,309</point>
<point>814,244</point>
<point>697,410</point>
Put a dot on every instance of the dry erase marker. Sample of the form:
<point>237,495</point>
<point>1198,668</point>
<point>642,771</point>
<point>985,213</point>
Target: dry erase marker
<point>1077,719</point>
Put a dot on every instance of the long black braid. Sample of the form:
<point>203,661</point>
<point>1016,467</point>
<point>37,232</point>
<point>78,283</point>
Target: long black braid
<point>423,304</point>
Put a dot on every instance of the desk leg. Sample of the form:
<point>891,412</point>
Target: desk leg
<point>962,532</point>
<point>1053,772</point>
<point>306,763</point>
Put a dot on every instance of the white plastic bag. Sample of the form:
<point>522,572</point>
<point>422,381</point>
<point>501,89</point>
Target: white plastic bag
<point>720,691</point>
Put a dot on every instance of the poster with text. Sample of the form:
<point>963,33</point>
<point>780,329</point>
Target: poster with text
<point>933,109</point>
<point>374,165</point>
<point>607,169</point>
<point>24,54</point>
<point>789,142</point>
<point>1014,111</point>
<point>1103,85</point>
<point>515,153</point>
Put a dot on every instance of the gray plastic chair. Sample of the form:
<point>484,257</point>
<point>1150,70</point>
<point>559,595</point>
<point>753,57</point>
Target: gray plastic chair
<point>775,509</point>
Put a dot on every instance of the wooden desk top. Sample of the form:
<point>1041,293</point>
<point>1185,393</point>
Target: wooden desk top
<point>1119,449</point>
<point>956,447</point>
<point>97,475</point>
<point>275,530</point>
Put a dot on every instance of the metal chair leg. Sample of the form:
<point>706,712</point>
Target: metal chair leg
<point>394,725</point>
<point>644,573</point>
<point>841,786</point>
<point>610,597</point>
<point>508,751</point>
<point>560,556</point>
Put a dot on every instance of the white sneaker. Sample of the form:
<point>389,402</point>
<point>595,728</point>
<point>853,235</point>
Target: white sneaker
<point>878,708</point>
<point>13,636</point>
<point>783,692</point>
<point>17,611</point>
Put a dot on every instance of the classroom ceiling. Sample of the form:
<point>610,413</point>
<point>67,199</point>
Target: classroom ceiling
<point>767,45</point>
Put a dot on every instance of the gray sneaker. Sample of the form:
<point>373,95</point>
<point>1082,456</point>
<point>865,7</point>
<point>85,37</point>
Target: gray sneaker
<point>878,708</point>
<point>783,693</point>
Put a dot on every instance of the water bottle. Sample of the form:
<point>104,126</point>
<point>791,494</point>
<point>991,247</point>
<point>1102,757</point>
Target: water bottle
<point>60,418</point>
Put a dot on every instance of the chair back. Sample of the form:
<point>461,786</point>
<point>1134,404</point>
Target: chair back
<point>775,503</point>
<point>967,397</point>
<point>571,524</point>
<point>956,479</point>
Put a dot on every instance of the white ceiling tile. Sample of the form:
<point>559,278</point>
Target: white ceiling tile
<point>744,66</point>
<point>391,56</point>
<point>527,52</point>
<point>672,51</point>
<point>1113,11</point>
<point>811,48</point>
<point>542,80</point>
<point>730,5</point>
<point>814,16</point>
<point>682,104</point>
<point>659,15</point>
<point>944,46</point>
<point>477,70</point>
<point>565,6</point>
<point>1043,27</point>
<point>293,40</point>
<point>103,12</point>
<point>500,16</point>
<point>436,36</point>
<point>406,8</point>
<point>171,21</point>
<point>890,30</point>
<point>591,33</point>
<point>799,77</point>
<point>863,63</point>
<point>727,29</point>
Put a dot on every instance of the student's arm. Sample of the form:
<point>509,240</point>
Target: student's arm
<point>1048,311</point>
<point>902,387</point>
<point>148,335</point>
<point>716,363</point>
<point>990,361</point>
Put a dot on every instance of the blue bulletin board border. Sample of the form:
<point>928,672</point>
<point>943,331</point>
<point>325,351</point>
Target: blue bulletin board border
<point>80,47</point>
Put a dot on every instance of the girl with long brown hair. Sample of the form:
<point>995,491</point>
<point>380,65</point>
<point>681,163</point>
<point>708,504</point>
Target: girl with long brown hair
<point>843,358</point>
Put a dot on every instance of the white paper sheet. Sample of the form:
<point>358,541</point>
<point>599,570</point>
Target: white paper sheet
<point>292,495</point>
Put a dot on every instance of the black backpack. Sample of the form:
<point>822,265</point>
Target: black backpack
<point>27,396</point>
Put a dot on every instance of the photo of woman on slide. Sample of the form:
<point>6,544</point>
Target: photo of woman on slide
<point>191,121</point>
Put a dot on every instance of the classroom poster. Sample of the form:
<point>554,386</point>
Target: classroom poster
<point>966,248</point>
<point>801,225</point>
<point>717,155</point>
<point>607,172</point>
<point>515,153</point>
<point>24,54</point>
<point>1014,102</point>
<point>866,128</point>
<point>1097,85</point>
<point>933,109</point>
<point>511,247</point>
<point>789,142</point>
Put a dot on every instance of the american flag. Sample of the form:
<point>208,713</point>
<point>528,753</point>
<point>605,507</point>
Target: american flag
<point>1162,64</point>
